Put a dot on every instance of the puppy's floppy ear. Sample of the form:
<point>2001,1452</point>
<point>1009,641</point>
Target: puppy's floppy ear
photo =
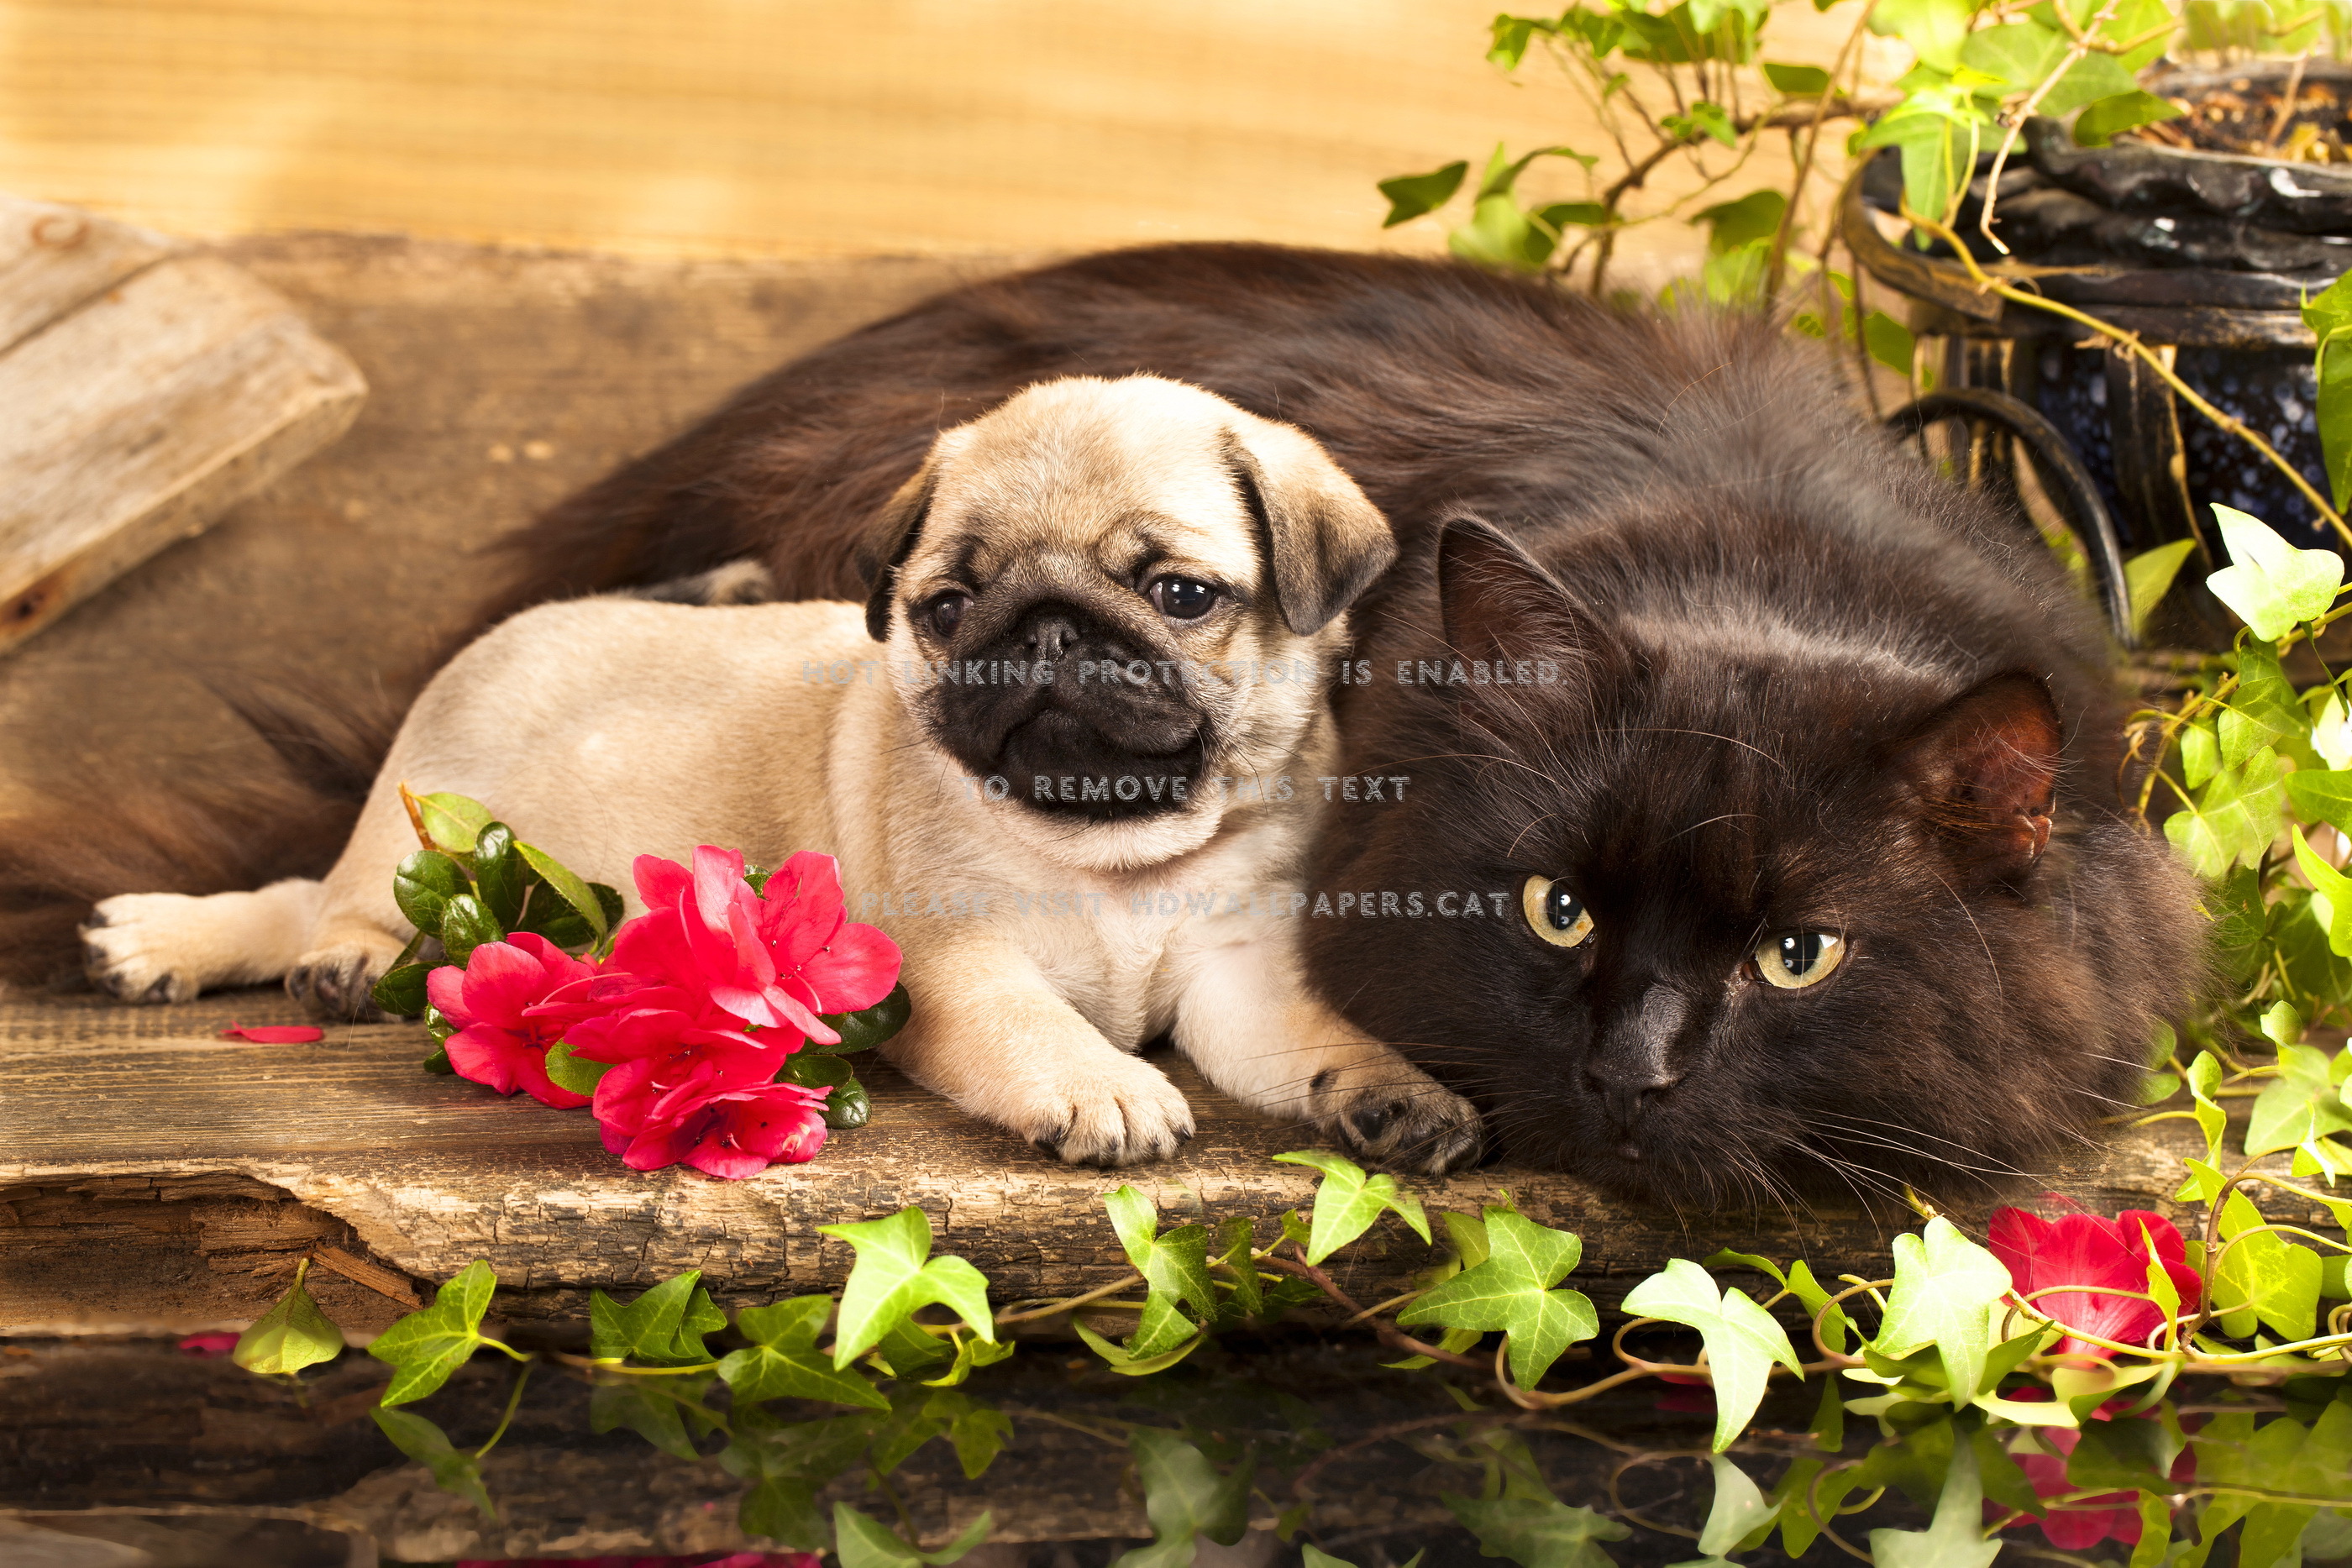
<point>1324,541</point>
<point>884,546</point>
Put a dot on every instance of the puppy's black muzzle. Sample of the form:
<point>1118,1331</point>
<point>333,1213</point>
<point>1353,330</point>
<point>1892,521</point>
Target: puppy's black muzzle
<point>1076,716</point>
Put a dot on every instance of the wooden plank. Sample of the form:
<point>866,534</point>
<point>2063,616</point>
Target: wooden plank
<point>429,1173</point>
<point>55,259</point>
<point>138,419</point>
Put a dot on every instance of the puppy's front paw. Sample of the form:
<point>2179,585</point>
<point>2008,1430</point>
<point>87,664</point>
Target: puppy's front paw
<point>1405,1124</point>
<point>334,983</point>
<point>142,948</point>
<point>1114,1112</point>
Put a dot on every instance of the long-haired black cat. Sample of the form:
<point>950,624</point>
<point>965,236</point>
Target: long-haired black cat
<point>1812,870</point>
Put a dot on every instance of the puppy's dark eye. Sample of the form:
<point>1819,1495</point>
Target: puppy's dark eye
<point>945,611</point>
<point>1181,598</point>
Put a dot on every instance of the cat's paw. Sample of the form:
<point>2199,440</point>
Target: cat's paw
<point>1114,1110</point>
<point>1411,1126</point>
<point>147,947</point>
<point>336,983</point>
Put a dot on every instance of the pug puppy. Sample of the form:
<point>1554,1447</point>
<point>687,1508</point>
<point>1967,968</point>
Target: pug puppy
<point>1076,786</point>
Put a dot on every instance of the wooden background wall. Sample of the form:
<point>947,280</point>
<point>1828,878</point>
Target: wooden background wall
<point>801,128</point>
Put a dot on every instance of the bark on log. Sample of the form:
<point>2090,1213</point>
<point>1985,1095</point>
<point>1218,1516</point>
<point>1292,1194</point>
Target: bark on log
<point>202,1168</point>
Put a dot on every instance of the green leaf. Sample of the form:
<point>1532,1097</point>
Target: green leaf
<point>2235,818</point>
<point>1938,128</point>
<point>783,1363</point>
<point>2300,1105</point>
<point>1237,1238</point>
<point>465,924</point>
<point>2019,54</point>
<point>2094,79</point>
<point>783,1508</point>
<point>1797,81</point>
<point>458,1473</point>
<point>1411,195</point>
<point>292,1335</point>
<point>1943,1284</point>
<point>662,1327</point>
<point>2262,710</point>
<point>1538,1533</point>
<point>401,992</point>
<point>425,1347</point>
<point>2272,585</point>
<point>846,1104</point>
<point>1742,1339</point>
<point>1501,233</point>
<point>1890,343</point>
<point>1737,1512</point>
<point>2100,123</point>
<point>1510,35</point>
<point>567,885</point>
<point>1512,1291</point>
<point>891,1278</point>
<point>2321,797</point>
<point>973,1352</point>
<point>2328,314</point>
<point>1184,1498</point>
<point>2148,577</point>
<point>864,1542</point>
<point>1127,1364</point>
<point>1754,216</point>
<point>865,1030</point>
<point>2200,755</point>
<point>1347,1201</point>
<point>1704,119</point>
<point>499,878</point>
<point>2330,888</point>
<point>1934,28</point>
<point>655,1410</point>
<point>1175,1268</point>
<point>1955,1539</point>
<point>2263,1277</point>
<point>425,883</point>
<point>452,822</point>
<point>576,1073</point>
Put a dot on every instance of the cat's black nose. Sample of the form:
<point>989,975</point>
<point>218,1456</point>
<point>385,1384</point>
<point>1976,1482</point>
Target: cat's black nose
<point>1627,1090</point>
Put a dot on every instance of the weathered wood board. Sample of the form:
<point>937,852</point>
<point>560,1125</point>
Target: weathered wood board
<point>143,392</point>
<point>152,1172</point>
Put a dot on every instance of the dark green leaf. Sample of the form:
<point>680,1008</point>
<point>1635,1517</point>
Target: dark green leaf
<point>423,884</point>
<point>1184,1497</point>
<point>292,1335</point>
<point>1237,1239</point>
<point>865,1030</point>
<point>458,1473</point>
<point>1754,216</point>
<point>1410,196</point>
<point>425,1347</point>
<point>654,1409</point>
<point>864,1542</point>
<point>782,1361</point>
<point>977,1431</point>
<point>783,1508</point>
<point>567,885</point>
<point>465,924</point>
<point>662,1327</point>
<point>498,874</point>
<point>401,992</point>
<point>439,1062</point>
<point>2328,314</point>
<point>1537,1532</point>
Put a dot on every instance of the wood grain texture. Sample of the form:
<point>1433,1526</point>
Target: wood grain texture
<point>54,259</point>
<point>424,1173</point>
<point>138,418</point>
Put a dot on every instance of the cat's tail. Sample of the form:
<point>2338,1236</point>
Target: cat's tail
<point>283,810</point>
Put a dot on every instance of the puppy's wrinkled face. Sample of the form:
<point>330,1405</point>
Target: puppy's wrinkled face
<point>1088,600</point>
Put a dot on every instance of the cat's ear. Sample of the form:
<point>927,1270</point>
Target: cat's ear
<point>1985,766</point>
<point>1501,608</point>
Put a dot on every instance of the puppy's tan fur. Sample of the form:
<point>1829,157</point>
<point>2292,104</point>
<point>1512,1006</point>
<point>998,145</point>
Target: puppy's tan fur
<point>606,728</point>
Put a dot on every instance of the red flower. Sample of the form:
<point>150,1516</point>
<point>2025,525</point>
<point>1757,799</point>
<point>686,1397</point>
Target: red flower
<point>715,1111</point>
<point>2078,1249</point>
<point>215,1343</point>
<point>274,1033</point>
<point>775,960</point>
<point>497,1042</point>
<point>2076,1526</point>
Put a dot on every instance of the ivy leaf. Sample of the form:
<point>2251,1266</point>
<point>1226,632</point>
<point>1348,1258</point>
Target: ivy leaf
<point>1129,1364</point>
<point>2328,314</point>
<point>425,1347</point>
<point>2271,584</point>
<point>1797,81</point>
<point>2263,710</point>
<point>864,1542</point>
<point>2300,1104</point>
<point>2200,755</point>
<point>1237,1235</point>
<point>2330,888</point>
<point>975,1430</point>
<point>783,1508</point>
<point>1347,1201</point>
<point>2098,125</point>
<point>1743,1341</point>
<point>783,1363</point>
<point>1184,1498</point>
<point>662,1327</point>
<point>1955,1538</point>
<point>2263,1277</point>
<point>654,1409</point>
<point>1934,28</point>
<point>454,1472</point>
<point>1175,1266</point>
<point>1512,1291</point>
<point>1943,1284</point>
<point>292,1335</point>
<point>1411,195</point>
<point>893,1275</point>
<point>2235,818</point>
<point>1738,1511</point>
<point>973,1352</point>
<point>1537,1532</point>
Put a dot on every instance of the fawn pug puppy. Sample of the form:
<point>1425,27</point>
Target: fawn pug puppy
<point>1085,596</point>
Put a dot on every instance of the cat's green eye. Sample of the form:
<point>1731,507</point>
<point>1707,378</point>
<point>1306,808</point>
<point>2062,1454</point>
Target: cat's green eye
<point>1554,913</point>
<point>1794,959</point>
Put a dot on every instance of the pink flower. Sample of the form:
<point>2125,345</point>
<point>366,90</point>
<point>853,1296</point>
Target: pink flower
<point>274,1033</point>
<point>497,1042</point>
<point>215,1343</point>
<point>2079,1249</point>
<point>2076,1526</point>
<point>715,1111</point>
<point>774,960</point>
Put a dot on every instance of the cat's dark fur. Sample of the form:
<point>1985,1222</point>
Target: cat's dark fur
<point>1806,685</point>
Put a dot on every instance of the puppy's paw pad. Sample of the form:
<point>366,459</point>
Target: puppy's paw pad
<point>1121,1115</point>
<point>1415,1127</point>
<point>337,984</point>
<point>134,947</point>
